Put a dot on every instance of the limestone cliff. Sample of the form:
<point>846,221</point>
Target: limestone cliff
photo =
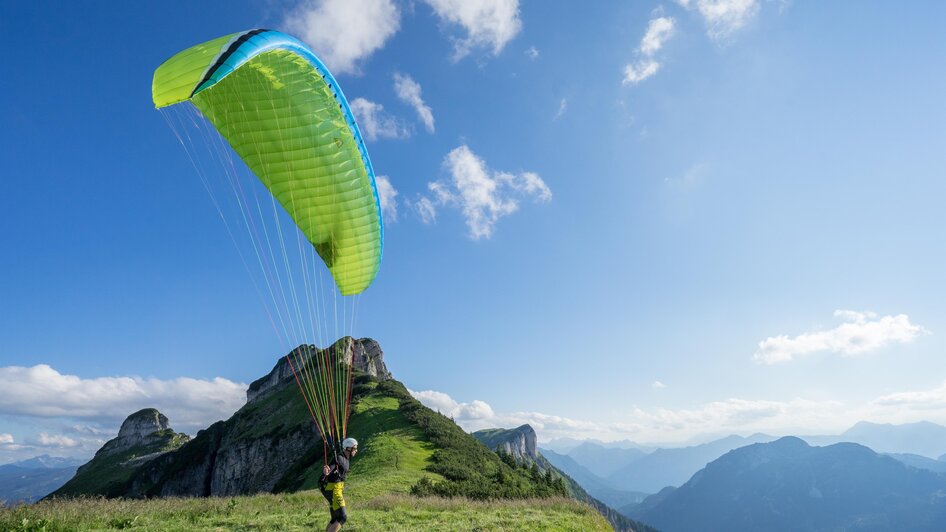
<point>364,354</point>
<point>519,442</point>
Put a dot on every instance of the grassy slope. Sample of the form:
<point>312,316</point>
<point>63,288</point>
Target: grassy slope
<point>395,453</point>
<point>303,511</point>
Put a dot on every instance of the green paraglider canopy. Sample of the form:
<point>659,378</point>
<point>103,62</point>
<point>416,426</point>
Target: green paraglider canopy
<point>283,113</point>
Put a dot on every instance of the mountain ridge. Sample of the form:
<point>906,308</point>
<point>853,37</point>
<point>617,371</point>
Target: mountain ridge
<point>789,485</point>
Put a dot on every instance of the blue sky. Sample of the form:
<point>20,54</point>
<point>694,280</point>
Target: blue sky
<point>727,216</point>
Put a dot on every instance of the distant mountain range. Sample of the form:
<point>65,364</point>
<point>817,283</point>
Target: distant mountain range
<point>31,480</point>
<point>673,467</point>
<point>920,462</point>
<point>622,474</point>
<point>596,486</point>
<point>789,485</point>
<point>566,445</point>
<point>603,461</point>
<point>627,467</point>
<point>923,438</point>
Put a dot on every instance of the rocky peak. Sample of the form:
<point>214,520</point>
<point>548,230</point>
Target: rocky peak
<point>520,442</point>
<point>144,429</point>
<point>143,423</point>
<point>363,354</point>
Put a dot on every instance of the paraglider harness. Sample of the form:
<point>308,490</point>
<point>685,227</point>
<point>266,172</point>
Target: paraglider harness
<point>332,485</point>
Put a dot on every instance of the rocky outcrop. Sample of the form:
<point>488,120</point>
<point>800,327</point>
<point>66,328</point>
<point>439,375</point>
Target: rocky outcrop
<point>144,437</point>
<point>519,442</point>
<point>364,354</point>
<point>221,461</point>
<point>368,358</point>
<point>142,428</point>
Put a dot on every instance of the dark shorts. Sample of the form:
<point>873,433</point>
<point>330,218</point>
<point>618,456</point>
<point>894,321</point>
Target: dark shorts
<point>339,516</point>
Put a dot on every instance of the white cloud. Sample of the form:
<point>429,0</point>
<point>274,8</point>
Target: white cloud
<point>487,23</point>
<point>532,53</point>
<point>388,197</point>
<point>56,440</point>
<point>529,183</point>
<point>435,400</point>
<point>736,416</point>
<point>6,439</point>
<point>659,30</point>
<point>907,407</point>
<point>375,123</point>
<point>723,17</point>
<point>482,195</point>
<point>657,385</point>
<point>478,415</point>
<point>408,91</point>
<point>344,32</point>
<point>190,404</point>
<point>638,72</point>
<point>862,332</point>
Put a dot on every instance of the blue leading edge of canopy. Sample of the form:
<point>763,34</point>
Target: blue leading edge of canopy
<point>251,43</point>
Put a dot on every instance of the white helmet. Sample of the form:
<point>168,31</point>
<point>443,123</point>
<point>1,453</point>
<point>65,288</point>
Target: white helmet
<point>349,443</point>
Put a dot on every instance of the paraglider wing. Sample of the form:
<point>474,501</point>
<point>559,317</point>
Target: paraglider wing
<point>283,113</point>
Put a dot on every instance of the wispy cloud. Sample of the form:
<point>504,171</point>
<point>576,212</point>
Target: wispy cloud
<point>861,333</point>
<point>635,73</point>
<point>344,32</point>
<point>409,92</point>
<point>659,30</point>
<point>487,24</point>
<point>426,209</point>
<point>6,439</point>
<point>532,53</point>
<point>922,401</point>
<point>657,385</point>
<point>692,178</point>
<point>55,440</point>
<point>478,415</point>
<point>388,196</point>
<point>734,415</point>
<point>482,195</point>
<point>723,17</point>
<point>562,107</point>
<point>375,123</point>
<point>41,391</point>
